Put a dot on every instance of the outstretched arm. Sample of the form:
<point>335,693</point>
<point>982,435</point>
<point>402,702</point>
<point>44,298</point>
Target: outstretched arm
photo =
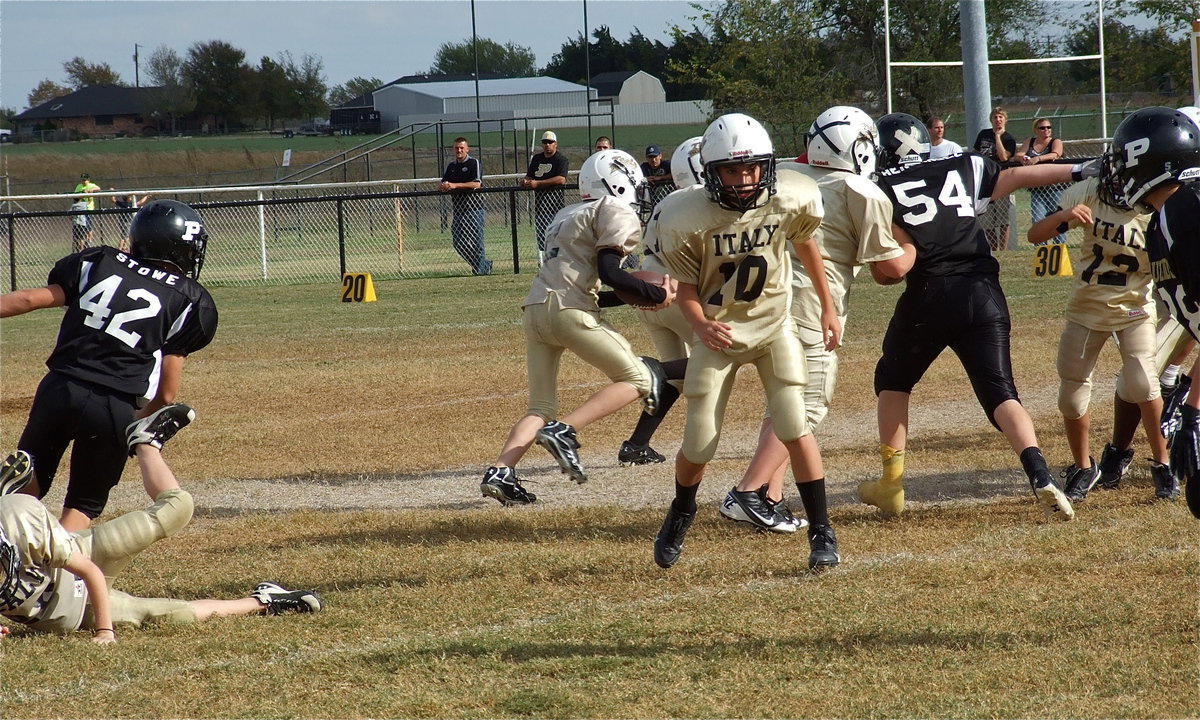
<point>19,302</point>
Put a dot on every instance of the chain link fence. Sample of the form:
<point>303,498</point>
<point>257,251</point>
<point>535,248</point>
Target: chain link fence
<point>292,234</point>
<point>1007,222</point>
<point>300,234</point>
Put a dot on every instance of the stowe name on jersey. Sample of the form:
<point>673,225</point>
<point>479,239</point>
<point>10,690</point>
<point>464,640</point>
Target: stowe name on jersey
<point>123,316</point>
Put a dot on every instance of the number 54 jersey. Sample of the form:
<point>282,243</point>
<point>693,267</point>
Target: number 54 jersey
<point>1113,289</point>
<point>122,316</point>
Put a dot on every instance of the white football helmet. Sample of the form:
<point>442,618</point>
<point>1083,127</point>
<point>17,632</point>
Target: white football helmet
<point>738,139</point>
<point>1192,112</point>
<point>616,173</point>
<point>843,138</point>
<point>686,169</point>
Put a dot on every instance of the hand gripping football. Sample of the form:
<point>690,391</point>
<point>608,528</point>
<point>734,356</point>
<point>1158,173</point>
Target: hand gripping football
<point>647,276</point>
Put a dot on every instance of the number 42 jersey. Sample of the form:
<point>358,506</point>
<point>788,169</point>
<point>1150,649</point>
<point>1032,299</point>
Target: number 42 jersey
<point>122,317</point>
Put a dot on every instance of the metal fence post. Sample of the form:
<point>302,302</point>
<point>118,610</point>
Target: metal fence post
<point>512,216</point>
<point>341,224</point>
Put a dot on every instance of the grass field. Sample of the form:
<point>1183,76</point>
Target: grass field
<point>339,446</point>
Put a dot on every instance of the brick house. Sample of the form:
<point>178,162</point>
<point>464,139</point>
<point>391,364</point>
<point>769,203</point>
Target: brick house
<point>94,111</point>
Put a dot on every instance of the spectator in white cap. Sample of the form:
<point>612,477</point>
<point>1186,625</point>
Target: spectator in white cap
<point>546,175</point>
<point>657,170</point>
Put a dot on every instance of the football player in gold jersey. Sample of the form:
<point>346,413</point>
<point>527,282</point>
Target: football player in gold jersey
<point>726,242</point>
<point>856,231</point>
<point>585,244</point>
<point>1111,297</point>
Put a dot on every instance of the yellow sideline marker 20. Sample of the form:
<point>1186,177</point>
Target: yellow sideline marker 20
<point>1052,261</point>
<point>357,287</point>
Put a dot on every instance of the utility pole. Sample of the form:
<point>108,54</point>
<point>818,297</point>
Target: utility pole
<point>137,81</point>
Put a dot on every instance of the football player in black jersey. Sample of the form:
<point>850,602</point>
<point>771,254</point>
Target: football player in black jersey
<point>131,319</point>
<point>952,299</point>
<point>1154,166</point>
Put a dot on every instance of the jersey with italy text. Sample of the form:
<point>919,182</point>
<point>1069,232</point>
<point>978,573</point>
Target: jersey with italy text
<point>937,202</point>
<point>122,316</point>
<point>856,230</point>
<point>44,595</point>
<point>739,262</point>
<point>1112,288</point>
<point>1175,255</point>
<point>575,236</point>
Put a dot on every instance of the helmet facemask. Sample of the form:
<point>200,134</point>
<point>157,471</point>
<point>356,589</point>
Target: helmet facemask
<point>741,197</point>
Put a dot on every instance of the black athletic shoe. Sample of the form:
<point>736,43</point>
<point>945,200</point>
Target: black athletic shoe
<point>823,547</point>
<point>1054,501</point>
<point>1166,487</point>
<point>1077,481</point>
<point>158,427</point>
<point>652,403</point>
<point>668,544</point>
<point>280,600</point>
<point>750,507</point>
<point>787,522</point>
<point>1113,464</point>
<point>15,472</point>
<point>501,483</point>
<point>631,454</point>
<point>559,440</point>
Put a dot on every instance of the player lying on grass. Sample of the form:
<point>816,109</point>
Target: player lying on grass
<point>585,244</point>
<point>54,581</point>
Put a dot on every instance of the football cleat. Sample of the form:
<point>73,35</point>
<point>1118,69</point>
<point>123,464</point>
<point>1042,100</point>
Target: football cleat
<point>158,427</point>
<point>1077,481</point>
<point>787,522</point>
<point>652,403</point>
<point>887,496</point>
<point>559,440</point>
<point>279,600</point>
<point>668,544</point>
<point>1055,503</point>
<point>823,548</point>
<point>1166,487</point>
<point>1113,464</point>
<point>501,483</point>
<point>750,507</point>
<point>15,472</point>
<point>631,454</point>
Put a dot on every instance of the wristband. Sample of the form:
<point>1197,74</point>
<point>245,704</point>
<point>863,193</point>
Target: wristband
<point>1077,172</point>
<point>1063,227</point>
<point>100,630</point>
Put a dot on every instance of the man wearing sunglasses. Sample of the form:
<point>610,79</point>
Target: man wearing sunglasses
<point>547,174</point>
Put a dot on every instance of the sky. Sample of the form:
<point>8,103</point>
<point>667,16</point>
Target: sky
<point>385,39</point>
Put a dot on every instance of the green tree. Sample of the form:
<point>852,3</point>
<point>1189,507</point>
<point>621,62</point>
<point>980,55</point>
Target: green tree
<point>81,74</point>
<point>508,60</point>
<point>275,92</point>
<point>1135,60</point>
<point>170,98</point>
<point>217,75</point>
<point>307,80</point>
<point>45,91</point>
<point>354,87</point>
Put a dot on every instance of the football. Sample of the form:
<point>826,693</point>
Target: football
<point>648,276</point>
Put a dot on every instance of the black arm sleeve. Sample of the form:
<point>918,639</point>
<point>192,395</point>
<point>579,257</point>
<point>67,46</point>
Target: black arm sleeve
<point>608,263</point>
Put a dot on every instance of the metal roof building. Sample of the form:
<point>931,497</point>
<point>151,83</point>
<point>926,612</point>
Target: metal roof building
<point>403,103</point>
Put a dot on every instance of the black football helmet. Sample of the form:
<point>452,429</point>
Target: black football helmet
<point>903,141</point>
<point>171,232</point>
<point>1152,146</point>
